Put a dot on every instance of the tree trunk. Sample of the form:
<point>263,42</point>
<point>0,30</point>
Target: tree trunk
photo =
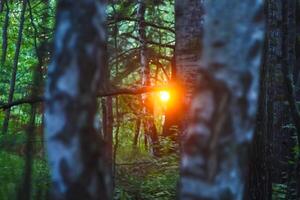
<point>76,151</point>
<point>189,18</point>
<point>25,192</point>
<point>137,133</point>
<point>4,34</point>
<point>272,173</point>
<point>149,125</point>
<point>15,67</point>
<point>107,122</point>
<point>222,98</point>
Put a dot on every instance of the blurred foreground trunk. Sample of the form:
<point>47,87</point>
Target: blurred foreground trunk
<point>222,97</point>
<point>75,148</point>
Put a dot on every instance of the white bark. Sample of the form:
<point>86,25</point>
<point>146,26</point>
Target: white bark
<point>223,104</point>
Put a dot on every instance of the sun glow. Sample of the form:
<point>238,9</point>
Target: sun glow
<point>164,96</point>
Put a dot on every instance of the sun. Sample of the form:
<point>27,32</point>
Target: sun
<point>164,96</point>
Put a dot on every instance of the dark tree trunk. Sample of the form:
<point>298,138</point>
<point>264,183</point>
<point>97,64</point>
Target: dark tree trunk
<point>76,150</point>
<point>26,190</point>
<point>15,67</point>
<point>288,69</point>
<point>4,34</point>
<point>137,133</point>
<point>221,95</point>
<point>107,123</point>
<point>271,170</point>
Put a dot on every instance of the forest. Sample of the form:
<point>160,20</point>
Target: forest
<point>150,100</point>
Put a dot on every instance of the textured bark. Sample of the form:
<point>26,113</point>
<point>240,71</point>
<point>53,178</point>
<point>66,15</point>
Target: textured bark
<point>189,36</point>
<point>288,66</point>
<point>15,67</point>
<point>150,130</point>
<point>272,149</point>
<point>222,98</point>
<point>188,51</point>
<point>75,147</point>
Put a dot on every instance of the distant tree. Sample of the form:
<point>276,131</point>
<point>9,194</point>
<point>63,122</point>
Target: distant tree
<point>4,33</point>
<point>75,147</point>
<point>15,65</point>
<point>222,94</point>
<point>150,130</point>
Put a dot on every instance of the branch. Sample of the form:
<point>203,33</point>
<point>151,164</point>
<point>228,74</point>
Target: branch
<point>118,19</point>
<point>135,163</point>
<point>26,100</point>
<point>114,92</point>
<point>150,42</point>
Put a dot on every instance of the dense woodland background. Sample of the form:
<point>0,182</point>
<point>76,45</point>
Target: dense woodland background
<point>150,49</point>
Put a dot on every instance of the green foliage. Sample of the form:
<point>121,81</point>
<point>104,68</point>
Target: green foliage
<point>279,191</point>
<point>11,171</point>
<point>140,176</point>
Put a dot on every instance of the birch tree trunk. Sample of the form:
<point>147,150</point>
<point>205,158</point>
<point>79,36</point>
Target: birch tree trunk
<point>75,148</point>
<point>223,99</point>
<point>188,50</point>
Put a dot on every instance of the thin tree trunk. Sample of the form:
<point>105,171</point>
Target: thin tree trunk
<point>108,132</point>
<point>15,67</point>
<point>221,108</point>
<point>137,133</point>
<point>25,192</point>
<point>149,125</point>
<point>4,34</point>
<point>76,151</point>
<point>116,136</point>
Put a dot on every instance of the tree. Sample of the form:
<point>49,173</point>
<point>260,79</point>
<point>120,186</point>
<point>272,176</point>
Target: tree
<point>189,35</point>
<point>150,130</point>
<point>4,34</point>
<point>75,148</point>
<point>15,66</point>
<point>272,170</point>
<point>223,99</point>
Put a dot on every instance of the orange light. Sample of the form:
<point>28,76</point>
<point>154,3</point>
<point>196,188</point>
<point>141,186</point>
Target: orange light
<point>164,96</point>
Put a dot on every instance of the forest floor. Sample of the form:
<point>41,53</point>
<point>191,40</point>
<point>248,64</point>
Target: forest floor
<point>140,177</point>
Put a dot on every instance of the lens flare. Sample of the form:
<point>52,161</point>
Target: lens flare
<point>164,96</point>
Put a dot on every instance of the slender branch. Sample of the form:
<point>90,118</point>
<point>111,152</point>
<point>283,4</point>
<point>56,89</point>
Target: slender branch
<point>26,100</point>
<point>150,42</point>
<point>122,18</point>
<point>115,92</point>
<point>135,163</point>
